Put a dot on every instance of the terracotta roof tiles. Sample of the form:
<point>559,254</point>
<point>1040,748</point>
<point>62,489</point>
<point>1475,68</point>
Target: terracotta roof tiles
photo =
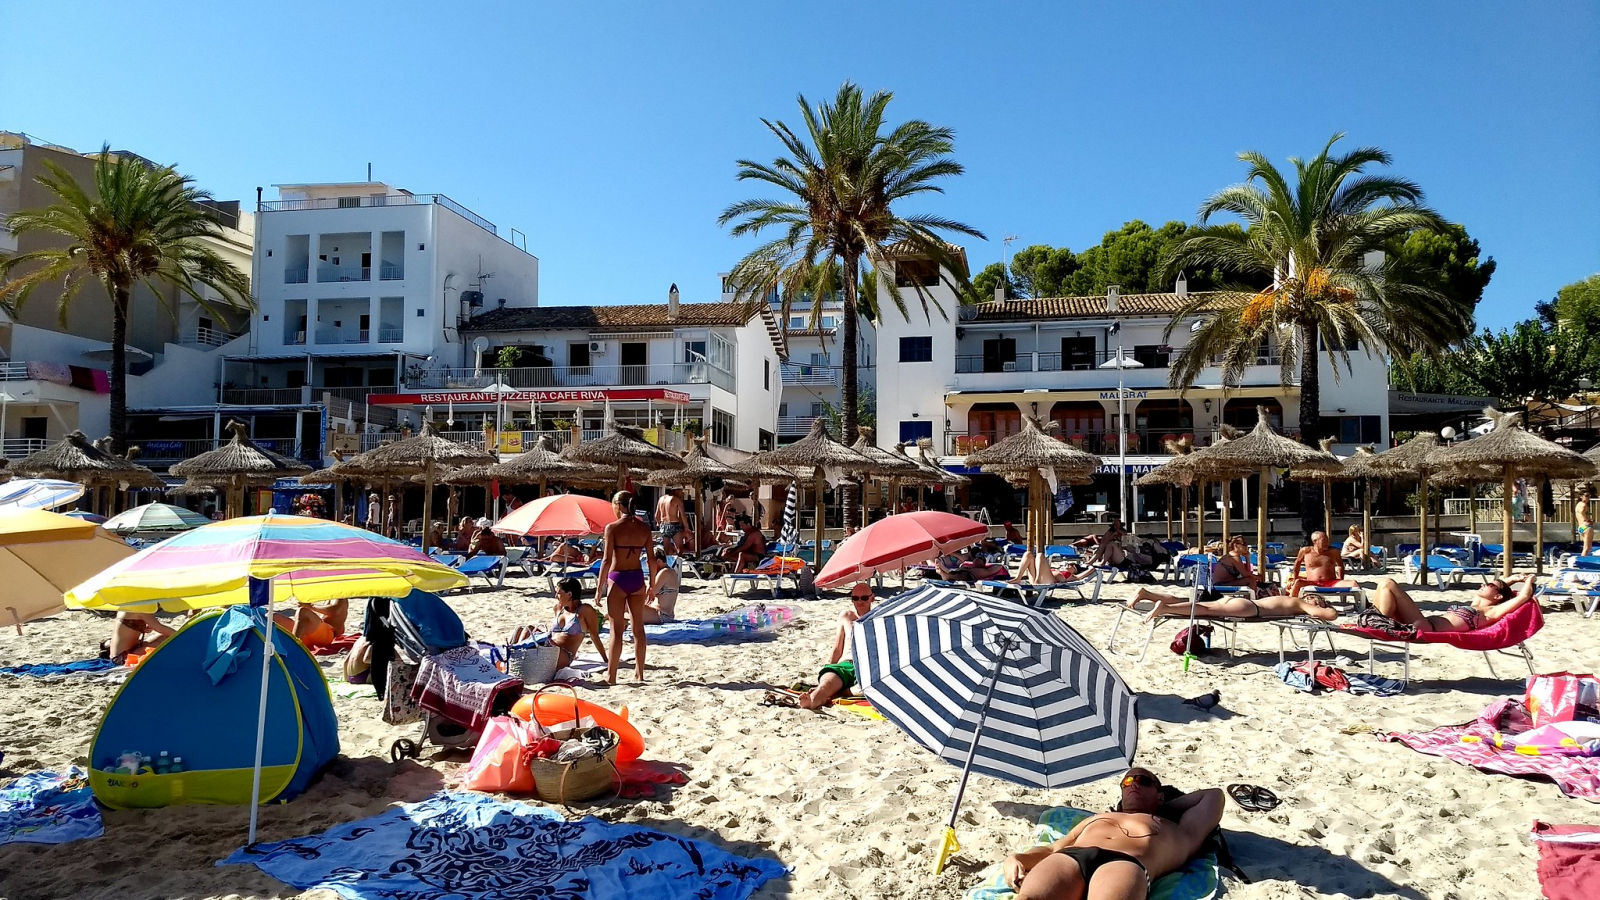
<point>1080,307</point>
<point>626,317</point>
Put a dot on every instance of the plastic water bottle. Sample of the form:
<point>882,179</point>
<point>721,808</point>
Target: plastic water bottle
<point>163,763</point>
<point>177,765</point>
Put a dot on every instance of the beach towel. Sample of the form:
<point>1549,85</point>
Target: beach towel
<point>1199,879</point>
<point>474,847</point>
<point>1308,677</point>
<point>460,685</point>
<point>1569,860</point>
<point>338,645</point>
<point>49,670</point>
<point>1376,685</point>
<point>47,808</point>
<point>1474,744</point>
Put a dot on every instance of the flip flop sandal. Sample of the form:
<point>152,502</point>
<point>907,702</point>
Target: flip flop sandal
<point>1244,795</point>
<point>1265,800</point>
<point>775,699</point>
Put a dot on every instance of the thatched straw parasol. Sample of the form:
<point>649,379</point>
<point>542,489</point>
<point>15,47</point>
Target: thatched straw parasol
<point>1515,453</point>
<point>1415,460</point>
<point>1031,452</point>
<point>1325,477</point>
<point>892,466</point>
<point>625,446</point>
<point>73,458</point>
<point>818,453</point>
<point>1358,466</point>
<point>423,454</point>
<point>234,465</point>
<point>699,466</point>
<point>537,465</point>
<point>1266,450</point>
<point>1197,467</point>
<point>1177,472</point>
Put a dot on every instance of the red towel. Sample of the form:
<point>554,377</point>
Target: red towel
<point>460,685</point>
<point>338,645</point>
<point>1569,860</point>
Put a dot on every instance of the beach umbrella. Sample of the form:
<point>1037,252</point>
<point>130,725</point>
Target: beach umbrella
<point>561,515</point>
<point>86,516</point>
<point>1326,477</point>
<point>422,454</point>
<point>236,464</point>
<point>1359,466</point>
<point>1512,452</point>
<point>262,560</point>
<point>39,493</point>
<point>1264,449</point>
<point>1176,472</point>
<point>790,532</point>
<point>623,448</point>
<point>893,466</point>
<point>538,464</point>
<point>894,542</point>
<point>818,453</point>
<point>75,458</point>
<point>1041,459</point>
<point>995,687</point>
<point>1415,460</point>
<point>155,517</point>
<point>42,554</point>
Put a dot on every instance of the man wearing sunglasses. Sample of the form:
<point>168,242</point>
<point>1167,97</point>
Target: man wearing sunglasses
<point>1119,852</point>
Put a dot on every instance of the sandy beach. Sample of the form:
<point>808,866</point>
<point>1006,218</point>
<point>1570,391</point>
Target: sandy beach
<point>852,805</point>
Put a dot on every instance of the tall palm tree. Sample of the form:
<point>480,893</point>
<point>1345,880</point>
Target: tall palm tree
<point>1312,240</point>
<point>138,223</point>
<point>842,180</point>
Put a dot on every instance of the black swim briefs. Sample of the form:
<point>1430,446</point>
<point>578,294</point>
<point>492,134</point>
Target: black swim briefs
<point>1090,859</point>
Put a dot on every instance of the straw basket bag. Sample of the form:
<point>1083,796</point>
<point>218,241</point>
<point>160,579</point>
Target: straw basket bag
<point>533,663</point>
<point>585,779</point>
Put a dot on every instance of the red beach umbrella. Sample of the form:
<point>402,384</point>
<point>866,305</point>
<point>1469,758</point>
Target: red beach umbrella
<point>562,515</point>
<point>895,542</point>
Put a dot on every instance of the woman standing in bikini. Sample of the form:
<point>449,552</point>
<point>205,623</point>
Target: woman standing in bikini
<point>622,582</point>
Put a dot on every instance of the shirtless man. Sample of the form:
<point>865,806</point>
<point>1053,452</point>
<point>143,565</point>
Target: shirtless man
<point>1116,855</point>
<point>671,519</point>
<point>1317,565</point>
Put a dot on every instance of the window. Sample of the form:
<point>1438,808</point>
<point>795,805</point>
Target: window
<point>349,202</point>
<point>721,428</point>
<point>1358,429</point>
<point>797,322</point>
<point>694,351</point>
<point>830,321</point>
<point>720,353</point>
<point>783,410</point>
<point>766,374</point>
<point>1151,356</point>
<point>578,357</point>
<point>915,430</point>
<point>1350,343</point>
<point>1077,353</point>
<point>998,354</point>
<point>818,408</point>
<point>916,349</point>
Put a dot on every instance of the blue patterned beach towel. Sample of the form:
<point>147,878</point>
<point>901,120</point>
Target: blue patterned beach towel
<point>1197,880</point>
<point>46,808</point>
<point>462,846</point>
<point>46,670</point>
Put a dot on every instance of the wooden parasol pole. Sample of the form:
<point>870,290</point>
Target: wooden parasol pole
<point>1200,517</point>
<point>1422,528</point>
<point>1366,521</point>
<point>1227,486</point>
<point>1169,511</point>
<point>1327,507</point>
<point>1509,488</point>
<point>1538,527</point>
<point>427,503</point>
<point>1261,520</point>
<point>816,485</point>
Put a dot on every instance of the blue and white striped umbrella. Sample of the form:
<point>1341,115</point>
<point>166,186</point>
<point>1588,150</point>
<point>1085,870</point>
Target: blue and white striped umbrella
<point>1058,714</point>
<point>790,534</point>
<point>995,687</point>
<point>39,493</point>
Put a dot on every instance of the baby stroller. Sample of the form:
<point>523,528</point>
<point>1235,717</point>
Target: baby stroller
<point>425,669</point>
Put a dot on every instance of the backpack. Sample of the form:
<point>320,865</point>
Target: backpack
<point>1202,641</point>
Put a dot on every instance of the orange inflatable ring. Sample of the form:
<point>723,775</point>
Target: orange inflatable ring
<point>554,709</point>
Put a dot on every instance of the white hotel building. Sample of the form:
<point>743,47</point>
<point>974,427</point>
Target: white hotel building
<point>966,382</point>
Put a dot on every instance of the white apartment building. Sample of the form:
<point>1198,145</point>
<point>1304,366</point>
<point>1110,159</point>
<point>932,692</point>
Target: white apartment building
<point>53,377</point>
<point>669,368</point>
<point>358,286</point>
<point>967,382</point>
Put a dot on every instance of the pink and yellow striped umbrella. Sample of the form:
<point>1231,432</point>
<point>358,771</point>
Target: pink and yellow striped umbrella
<point>310,560</point>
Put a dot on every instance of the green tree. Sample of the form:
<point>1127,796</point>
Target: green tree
<point>1430,374</point>
<point>1312,239</point>
<point>1576,304</point>
<point>844,180</point>
<point>137,223</point>
<point>1449,261</point>
<point>985,282</point>
<point>1530,365</point>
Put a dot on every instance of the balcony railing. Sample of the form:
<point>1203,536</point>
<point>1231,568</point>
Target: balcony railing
<point>205,337</point>
<point>805,374</point>
<point>266,396</point>
<point>795,424</point>
<point>327,274</point>
<point>171,450</point>
<point>295,338</point>
<point>967,364</point>
<point>1025,361</point>
<point>666,438</point>
<point>573,377</point>
<point>17,448</point>
<point>392,335</point>
<point>391,273</point>
<point>381,200</point>
<point>13,371</point>
<point>296,276</point>
<point>342,336</point>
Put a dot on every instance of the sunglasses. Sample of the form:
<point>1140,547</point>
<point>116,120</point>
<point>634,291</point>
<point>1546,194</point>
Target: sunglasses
<point>1142,780</point>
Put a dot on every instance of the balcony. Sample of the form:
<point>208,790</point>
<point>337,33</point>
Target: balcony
<point>296,276</point>
<point>266,396</point>
<point>343,336</point>
<point>391,273</point>
<point>330,274</point>
<point>1084,371</point>
<point>802,374</point>
<point>205,337</point>
<point>572,377</point>
<point>13,371</point>
<point>388,200</point>
<point>170,450</point>
<point>395,335</point>
<point>795,425</point>
<point>666,438</point>
<point>17,448</point>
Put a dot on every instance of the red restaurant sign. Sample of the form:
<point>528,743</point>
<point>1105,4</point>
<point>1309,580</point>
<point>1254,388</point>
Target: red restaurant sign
<point>660,395</point>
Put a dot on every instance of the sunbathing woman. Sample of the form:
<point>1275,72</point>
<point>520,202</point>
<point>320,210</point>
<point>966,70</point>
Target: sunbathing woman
<point>622,582</point>
<point>316,625</point>
<point>1493,602</point>
<point>573,620</point>
<point>135,632</point>
<point>1238,606</point>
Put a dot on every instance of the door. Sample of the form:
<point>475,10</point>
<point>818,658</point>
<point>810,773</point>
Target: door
<point>633,363</point>
<point>35,428</point>
<point>1077,353</point>
<point>997,352</point>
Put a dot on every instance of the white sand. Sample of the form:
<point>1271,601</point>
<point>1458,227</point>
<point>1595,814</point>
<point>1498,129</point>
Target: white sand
<point>852,805</point>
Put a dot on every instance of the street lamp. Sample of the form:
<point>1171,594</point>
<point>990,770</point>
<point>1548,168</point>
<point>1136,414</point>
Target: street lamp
<point>1120,362</point>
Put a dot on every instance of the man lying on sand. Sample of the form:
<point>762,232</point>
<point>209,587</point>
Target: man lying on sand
<point>1116,855</point>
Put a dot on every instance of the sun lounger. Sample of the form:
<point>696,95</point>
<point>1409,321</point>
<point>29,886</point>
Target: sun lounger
<point>1508,636</point>
<point>585,574</point>
<point>491,568</point>
<point>1449,571</point>
<point>1197,569</point>
<point>1039,594</point>
<point>771,572</point>
<point>1579,586</point>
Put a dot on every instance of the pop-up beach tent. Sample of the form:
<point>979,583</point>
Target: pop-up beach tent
<point>196,697</point>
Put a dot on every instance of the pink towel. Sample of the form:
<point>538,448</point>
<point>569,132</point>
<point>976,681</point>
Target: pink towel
<point>1473,744</point>
<point>460,685</point>
<point>1569,860</point>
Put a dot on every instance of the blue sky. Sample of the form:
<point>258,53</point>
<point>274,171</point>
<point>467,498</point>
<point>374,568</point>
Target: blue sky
<point>608,132</point>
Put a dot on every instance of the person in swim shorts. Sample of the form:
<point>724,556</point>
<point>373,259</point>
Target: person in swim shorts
<point>1317,565</point>
<point>622,582</point>
<point>1116,855</point>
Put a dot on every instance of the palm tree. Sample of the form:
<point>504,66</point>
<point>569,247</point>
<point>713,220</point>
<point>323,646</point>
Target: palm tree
<point>1312,240</point>
<point>843,179</point>
<point>140,223</point>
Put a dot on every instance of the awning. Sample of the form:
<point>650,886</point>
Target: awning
<point>595,395</point>
<point>1035,395</point>
<point>1405,403</point>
